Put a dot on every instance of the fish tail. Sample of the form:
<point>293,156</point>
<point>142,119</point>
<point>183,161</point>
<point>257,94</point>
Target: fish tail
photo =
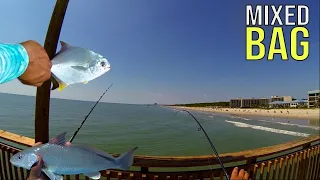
<point>57,83</point>
<point>126,159</point>
<point>54,83</point>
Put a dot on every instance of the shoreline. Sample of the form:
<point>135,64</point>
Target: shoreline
<point>306,114</point>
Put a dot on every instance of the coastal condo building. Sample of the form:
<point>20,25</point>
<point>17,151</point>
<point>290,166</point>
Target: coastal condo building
<point>313,98</point>
<point>249,102</point>
<point>280,98</point>
<point>260,102</point>
<point>278,101</point>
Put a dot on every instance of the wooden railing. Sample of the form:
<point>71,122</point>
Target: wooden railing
<point>293,160</point>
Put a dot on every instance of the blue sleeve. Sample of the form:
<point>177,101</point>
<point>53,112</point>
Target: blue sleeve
<point>14,61</point>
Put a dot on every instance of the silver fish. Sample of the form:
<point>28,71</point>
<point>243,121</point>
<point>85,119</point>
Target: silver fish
<point>60,159</point>
<point>76,65</point>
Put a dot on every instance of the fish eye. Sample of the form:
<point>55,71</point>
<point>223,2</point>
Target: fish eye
<point>20,156</point>
<point>103,64</point>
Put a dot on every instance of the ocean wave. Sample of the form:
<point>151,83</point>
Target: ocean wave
<point>239,117</point>
<point>247,119</point>
<point>298,125</point>
<point>282,123</point>
<point>279,131</point>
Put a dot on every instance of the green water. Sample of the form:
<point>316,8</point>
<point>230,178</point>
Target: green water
<point>116,128</point>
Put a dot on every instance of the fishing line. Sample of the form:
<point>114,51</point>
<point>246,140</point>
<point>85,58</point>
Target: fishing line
<point>211,144</point>
<point>86,117</point>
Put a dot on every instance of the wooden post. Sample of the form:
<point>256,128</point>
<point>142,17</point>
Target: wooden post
<point>144,169</point>
<point>43,92</point>
<point>249,162</point>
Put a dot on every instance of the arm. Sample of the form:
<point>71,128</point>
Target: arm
<point>28,61</point>
<point>14,61</point>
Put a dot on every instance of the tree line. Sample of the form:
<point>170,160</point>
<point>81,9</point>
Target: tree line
<point>220,104</point>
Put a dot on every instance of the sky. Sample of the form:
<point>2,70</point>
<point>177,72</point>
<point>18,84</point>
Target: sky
<point>166,51</point>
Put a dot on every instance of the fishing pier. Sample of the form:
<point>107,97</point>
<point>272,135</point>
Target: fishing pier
<point>298,159</point>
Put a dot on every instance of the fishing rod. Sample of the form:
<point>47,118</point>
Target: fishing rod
<point>86,117</point>
<point>211,144</point>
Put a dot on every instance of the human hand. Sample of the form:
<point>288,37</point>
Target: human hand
<point>242,175</point>
<point>39,68</point>
<point>35,172</point>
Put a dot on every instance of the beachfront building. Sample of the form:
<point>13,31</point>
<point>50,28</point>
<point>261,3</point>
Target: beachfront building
<point>287,98</point>
<point>287,104</point>
<point>298,103</point>
<point>313,98</point>
<point>276,98</point>
<point>249,102</point>
<point>279,104</point>
<point>280,98</point>
<point>235,103</point>
<point>261,102</point>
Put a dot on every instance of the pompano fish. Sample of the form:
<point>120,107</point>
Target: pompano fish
<point>76,65</point>
<point>60,159</point>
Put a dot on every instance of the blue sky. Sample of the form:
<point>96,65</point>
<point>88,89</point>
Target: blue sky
<point>165,51</point>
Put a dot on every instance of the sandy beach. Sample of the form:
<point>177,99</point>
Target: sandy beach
<point>309,114</point>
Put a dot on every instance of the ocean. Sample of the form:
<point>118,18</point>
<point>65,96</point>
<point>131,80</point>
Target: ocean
<point>156,130</point>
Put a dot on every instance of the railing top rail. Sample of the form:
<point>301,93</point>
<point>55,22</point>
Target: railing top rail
<point>22,140</point>
<point>188,161</point>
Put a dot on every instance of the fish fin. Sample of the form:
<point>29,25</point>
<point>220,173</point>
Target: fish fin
<point>85,82</point>
<point>126,159</point>
<point>52,175</point>
<point>79,68</point>
<point>62,85</point>
<point>54,83</point>
<point>59,139</point>
<point>93,175</point>
<point>96,151</point>
<point>57,83</point>
<point>64,46</point>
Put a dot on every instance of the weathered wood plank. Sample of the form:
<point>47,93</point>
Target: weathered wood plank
<point>22,140</point>
<point>275,168</point>
<point>9,164</point>
<point>22,175</point>
<point>4,164</point>
<point>269,170</point>
<point>280,171</point>
<point>262,167</point>
<point>2,171</point>
<point>291,167</point>
<point>284,176</point>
